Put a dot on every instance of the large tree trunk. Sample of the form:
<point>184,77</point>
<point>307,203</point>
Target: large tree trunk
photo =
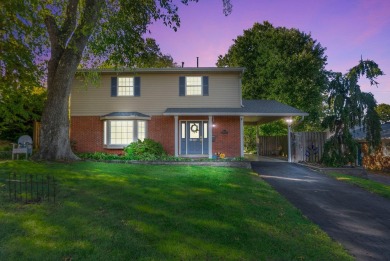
<point>54,135</point>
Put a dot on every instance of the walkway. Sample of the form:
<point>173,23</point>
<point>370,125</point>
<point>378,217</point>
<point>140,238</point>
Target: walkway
<point>359,220</point>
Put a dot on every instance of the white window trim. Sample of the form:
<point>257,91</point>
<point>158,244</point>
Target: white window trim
<point>107,133</point>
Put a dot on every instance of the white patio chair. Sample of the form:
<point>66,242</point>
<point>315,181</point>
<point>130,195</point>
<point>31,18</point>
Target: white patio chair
<point>24,146</point>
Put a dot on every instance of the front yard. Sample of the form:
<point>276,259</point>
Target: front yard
<point>128,212</point>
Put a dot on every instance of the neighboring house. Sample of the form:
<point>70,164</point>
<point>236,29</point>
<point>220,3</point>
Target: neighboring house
<point>190,111</point>
<point>374,159</point>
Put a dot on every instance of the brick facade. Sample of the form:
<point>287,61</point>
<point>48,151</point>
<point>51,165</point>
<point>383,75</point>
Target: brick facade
<point>227,135</point>
<point>162,129</point>
<point>87,133</point>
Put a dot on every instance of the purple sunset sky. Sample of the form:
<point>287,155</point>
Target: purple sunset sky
<point>348,29</point>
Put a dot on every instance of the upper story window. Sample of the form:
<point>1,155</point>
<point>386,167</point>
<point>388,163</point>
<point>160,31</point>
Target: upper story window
<point>125,86</point>
<point>193,85</point>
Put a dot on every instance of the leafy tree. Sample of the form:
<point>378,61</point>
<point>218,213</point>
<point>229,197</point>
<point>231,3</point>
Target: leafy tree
<point>281,64</point>
<point>148,56</point>
<point>383,111</point>
<point>86,32</point>
<point>21,70</point>
<point>350,107</point>
<point>19,108</point>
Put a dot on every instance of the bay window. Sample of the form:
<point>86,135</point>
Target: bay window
<point>120,133</point>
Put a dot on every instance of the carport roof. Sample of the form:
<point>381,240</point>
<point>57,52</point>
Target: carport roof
<point>249,108</point>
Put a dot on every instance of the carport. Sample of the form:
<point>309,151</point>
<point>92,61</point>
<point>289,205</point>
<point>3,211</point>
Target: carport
<point>258,112</point>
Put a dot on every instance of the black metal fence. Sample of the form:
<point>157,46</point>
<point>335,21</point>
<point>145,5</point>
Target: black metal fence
<point>30,188</point>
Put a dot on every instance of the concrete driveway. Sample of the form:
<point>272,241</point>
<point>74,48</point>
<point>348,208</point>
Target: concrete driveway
<point>358,219</point>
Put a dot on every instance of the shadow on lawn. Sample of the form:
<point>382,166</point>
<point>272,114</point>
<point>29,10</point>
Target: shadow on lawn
<point>150,212</point>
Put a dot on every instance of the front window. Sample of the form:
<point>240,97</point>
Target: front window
<point>193,85</point>
<point>125,86</point>
<point>120,133</point>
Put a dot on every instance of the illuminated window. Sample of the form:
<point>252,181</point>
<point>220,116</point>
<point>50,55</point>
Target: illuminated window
<point>141,130</point>
<point>125,86</point>
<point>193,85</point>
<point>120,133</point>
<point>183,130</point>
<point>194,133</point>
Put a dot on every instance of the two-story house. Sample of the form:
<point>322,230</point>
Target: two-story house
<point>190,111</point>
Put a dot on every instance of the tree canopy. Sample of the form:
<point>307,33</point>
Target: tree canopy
<point>21,69</point>
<point>148,56</point>
<point>349,107</point>
<point>383,111</point>
<point>282,64</point>
<point>86,32</point>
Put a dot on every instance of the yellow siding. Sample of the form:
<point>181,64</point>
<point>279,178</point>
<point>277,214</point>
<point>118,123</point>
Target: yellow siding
<point>158,92</point>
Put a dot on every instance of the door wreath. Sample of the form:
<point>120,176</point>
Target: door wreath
<point>194,128</point>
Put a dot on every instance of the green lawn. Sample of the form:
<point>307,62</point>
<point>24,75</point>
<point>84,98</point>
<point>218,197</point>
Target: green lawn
<point>129,212</point>
<point>372,186</point>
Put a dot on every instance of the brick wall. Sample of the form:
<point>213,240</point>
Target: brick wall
<point>87,133</point>
<point>162,129</point>
<point>227,135</point>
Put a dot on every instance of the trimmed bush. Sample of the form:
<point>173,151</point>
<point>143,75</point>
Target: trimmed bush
<point>99,156</point>
<point>147,149</point>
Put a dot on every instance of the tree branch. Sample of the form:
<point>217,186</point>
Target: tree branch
<point>88,22</point>
<point>70,21</point>
<point>52,29</point>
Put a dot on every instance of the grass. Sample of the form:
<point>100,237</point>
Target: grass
<point>140,212</point>
<point>369,185</point>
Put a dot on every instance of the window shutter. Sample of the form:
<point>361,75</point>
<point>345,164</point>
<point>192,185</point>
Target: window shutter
<point>137,86</point>
<point>182,86</point>
<point>205,85</point>
<point>114,86</point>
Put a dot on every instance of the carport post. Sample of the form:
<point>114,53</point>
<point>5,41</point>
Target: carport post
<point>289,121</point>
